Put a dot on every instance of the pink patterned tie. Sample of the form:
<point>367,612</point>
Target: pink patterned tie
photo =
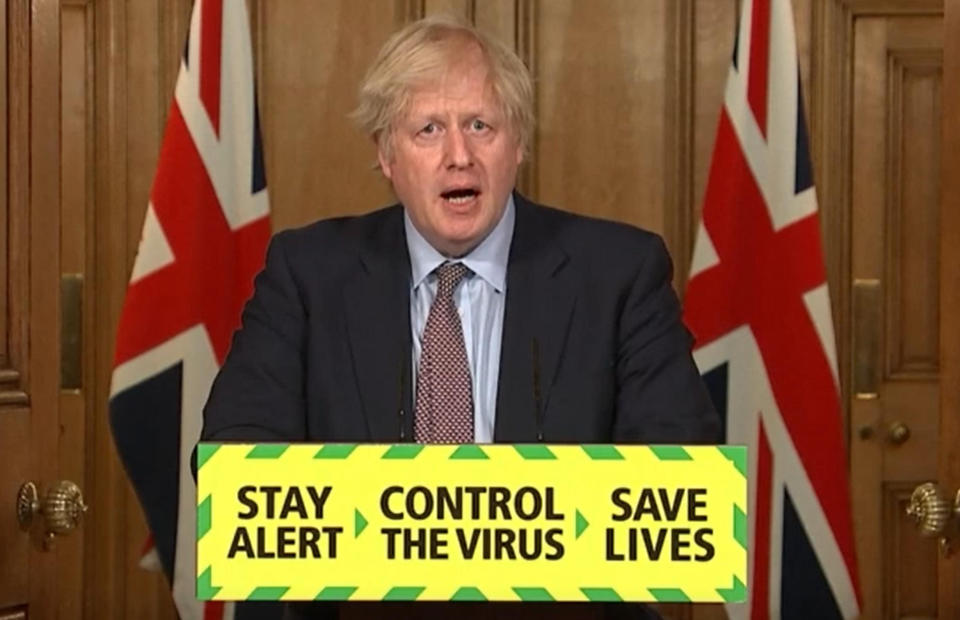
<point>444,409</point>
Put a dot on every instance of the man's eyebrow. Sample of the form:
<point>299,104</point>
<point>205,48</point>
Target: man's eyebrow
<point>484,114</point>
<point>418,119</point>
<point>415,117</point>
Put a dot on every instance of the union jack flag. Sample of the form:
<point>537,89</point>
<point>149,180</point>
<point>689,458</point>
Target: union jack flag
<point>204,238</point>
<point>758,306</point>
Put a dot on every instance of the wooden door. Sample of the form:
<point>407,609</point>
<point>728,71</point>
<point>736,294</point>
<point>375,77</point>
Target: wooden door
<point>948,582</point>
<point>948,561</point>
<point>41,284</point>
<point>903,267</point>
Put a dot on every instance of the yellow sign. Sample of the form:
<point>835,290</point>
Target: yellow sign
<point>470,522</point>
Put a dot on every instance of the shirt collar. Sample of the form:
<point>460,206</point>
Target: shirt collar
<point>488,260</point>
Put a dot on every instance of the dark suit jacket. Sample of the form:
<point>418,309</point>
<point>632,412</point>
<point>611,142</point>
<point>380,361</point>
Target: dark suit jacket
<point>593,348</point>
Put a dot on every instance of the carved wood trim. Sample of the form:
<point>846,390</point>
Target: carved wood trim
<point>9,120</point>
<point>105,587</point>
<point>525,36</point>
<point>174,25</point>
<point>15,218</point>
<point>679,146</point>
<point>10,392</point>
<point>410,11</point>
<point>47,586</point>
<point>900,62</point>
<point>77,407</point>
<point>830,118</point>
<point>949,451</point>
<point>258,41</point>
<point>258,36</point>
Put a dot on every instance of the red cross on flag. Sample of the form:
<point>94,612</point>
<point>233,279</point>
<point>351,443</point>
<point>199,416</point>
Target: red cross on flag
<point>204,239</point>
<point>758,306</point>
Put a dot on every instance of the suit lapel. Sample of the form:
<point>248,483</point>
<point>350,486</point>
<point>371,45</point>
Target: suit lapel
<point>377,308</point>
<point>540,303</point>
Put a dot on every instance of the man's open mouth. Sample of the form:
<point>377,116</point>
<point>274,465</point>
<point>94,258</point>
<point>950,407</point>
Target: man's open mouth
<point>460,196</point>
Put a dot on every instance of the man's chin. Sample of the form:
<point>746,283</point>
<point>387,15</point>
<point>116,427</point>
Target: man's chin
<point>456,246</point>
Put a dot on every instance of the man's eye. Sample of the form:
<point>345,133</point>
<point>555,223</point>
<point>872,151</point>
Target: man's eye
<point>428,129</point>
<point>478,125</point>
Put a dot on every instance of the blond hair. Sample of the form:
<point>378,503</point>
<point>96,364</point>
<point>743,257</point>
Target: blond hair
<point>419,53</point>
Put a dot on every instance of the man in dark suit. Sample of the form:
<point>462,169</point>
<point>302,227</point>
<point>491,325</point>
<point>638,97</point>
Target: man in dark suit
<point>553,328</point>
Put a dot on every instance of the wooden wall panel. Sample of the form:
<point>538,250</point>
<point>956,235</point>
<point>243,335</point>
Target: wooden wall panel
<point>460,8</point>
<point>714,28</point>
<point>318,164</point>
<point>601,98</point>
<point>499,18</point>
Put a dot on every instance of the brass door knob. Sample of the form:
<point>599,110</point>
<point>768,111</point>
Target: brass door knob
<point>61,508</point>
<point>898,433</point>
<point>930,509</point>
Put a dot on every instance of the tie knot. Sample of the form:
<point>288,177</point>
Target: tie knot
<point>449,275</point>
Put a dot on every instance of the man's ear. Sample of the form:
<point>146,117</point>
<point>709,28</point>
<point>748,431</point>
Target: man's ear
<point>516,140</point>
<point>382,156</point>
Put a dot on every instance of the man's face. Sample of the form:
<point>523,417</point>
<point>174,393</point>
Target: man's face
<point>454,158</point>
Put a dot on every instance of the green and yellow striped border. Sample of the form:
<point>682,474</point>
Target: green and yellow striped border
<point>735,594</point>
<point>737,455</point>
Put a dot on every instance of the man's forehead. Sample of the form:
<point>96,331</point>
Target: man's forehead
<point>442,95</point>
<point>465,91</point>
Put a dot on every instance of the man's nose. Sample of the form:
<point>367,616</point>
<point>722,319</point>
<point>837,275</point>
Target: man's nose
<point>457,150</point>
